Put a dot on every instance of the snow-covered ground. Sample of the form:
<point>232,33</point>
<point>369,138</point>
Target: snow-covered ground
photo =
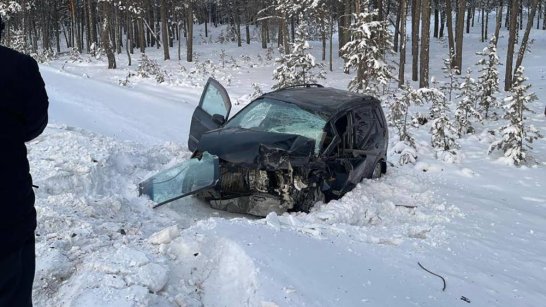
<point>479,223</point>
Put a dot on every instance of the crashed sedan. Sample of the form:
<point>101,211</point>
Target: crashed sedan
<point>285,151</point>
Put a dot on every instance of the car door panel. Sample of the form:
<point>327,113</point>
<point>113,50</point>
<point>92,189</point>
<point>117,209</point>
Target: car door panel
<point>184,179</point>
<point>214,101</point>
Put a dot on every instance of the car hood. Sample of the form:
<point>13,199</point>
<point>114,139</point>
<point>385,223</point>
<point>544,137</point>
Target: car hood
<point>257,148</point>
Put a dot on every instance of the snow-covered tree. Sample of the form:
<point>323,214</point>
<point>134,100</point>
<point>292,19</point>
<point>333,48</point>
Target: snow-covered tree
<point>399,116</point>
<point>9,8</point>
<point>443,132</point>
<point>365,52</point>
<point>298,66</point>
<point>516,136</point>
<point>148,68</point>
<point>451,75</point>
<point>466,106</point>
<point>488,81</point>
<point>19,43</point>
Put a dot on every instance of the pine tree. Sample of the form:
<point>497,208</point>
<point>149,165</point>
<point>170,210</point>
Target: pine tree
<point>443,132</point>
<point>298,66</point>
<point>443,137</point>
<point>450,73</point>
<point>516,137</point>
<point>370,40</point>
<point>399,118</point>
<point>488,81</point>
<point>466,106</point>
<point>399,112</point>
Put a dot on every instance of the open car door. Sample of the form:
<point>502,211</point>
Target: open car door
<point>211,113</point>
<point>184,179</point>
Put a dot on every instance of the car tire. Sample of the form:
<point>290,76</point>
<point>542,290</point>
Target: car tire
<point>377,170</point>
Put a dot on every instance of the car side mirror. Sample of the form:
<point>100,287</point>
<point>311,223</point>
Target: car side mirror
<point>218,119</point>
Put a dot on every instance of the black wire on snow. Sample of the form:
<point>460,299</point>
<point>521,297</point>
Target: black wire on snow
<point>422,267</point>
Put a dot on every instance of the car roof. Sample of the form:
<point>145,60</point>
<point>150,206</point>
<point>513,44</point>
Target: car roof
<point>325,101</point>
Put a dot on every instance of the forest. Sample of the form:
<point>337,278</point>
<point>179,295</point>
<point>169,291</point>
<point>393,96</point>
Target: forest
<point>125,25</point>
<point>370,38</point>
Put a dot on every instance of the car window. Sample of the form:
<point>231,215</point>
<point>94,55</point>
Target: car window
<point>364,121</point>
<point>213,103</point>
<point>343,127</point>
<point>271,115</point>
<point>379,117</point>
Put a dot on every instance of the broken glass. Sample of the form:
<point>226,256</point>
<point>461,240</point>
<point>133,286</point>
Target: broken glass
<point>280,117</point>
<point>182,180</point>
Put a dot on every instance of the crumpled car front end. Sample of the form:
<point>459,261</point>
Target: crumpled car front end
<point>259,178</point>
<point>234,172</point>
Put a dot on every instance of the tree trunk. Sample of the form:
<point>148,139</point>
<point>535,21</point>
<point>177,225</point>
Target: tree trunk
<point>524,41</point>
<point>468,17</point>
<point>141,36</point>
<point>442,23</point>
<point>92,26</point>
<point>116,31</point>
<point>247,30</point>
<point>263,27</point>
<point>293,29</point>
<point>127,42</point>
<point>483,25</point>
<point>538,15</point>
<point>416,4</point>
<point>331,43</point>
<point>238,28</point>
<point>436,18</point>
<point>323,36</point>
<point>498,23</point>
<point>343,25</point>
<point>486,25</point>
<point>511,42</point>
<point>396,28</point>
<point>75,25</point>
<point>449,20</point>
<point>206,21</point>
<point>459,36</point>
<point>189,39</point>
<point>164,30</point>
<point>286,44</point>
<point>105,34</point>
<point>520,12</point>
<point>544,20</point>
<point>403,13</point>
<point>425,44</point>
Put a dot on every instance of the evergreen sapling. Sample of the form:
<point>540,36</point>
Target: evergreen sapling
<point>466,106</point>
<point>488,81</point>
<point>515,135</point>
<point>298,66</point>
<point>451,75</point>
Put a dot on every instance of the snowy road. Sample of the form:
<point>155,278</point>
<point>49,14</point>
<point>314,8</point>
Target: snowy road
<point>150,116</point>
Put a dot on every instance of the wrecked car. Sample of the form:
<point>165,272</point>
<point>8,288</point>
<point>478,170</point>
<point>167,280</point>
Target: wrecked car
<point>285,151</point>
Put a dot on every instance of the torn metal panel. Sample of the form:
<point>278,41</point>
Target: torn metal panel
<point>251,148</point>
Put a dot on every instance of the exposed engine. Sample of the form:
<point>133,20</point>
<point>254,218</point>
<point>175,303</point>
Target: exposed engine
<point>259,192</point>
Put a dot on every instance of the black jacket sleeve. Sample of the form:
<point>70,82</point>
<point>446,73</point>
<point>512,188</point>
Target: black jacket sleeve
<point>35,100</point>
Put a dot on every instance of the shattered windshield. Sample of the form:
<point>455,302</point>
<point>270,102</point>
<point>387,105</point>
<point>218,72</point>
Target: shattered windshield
<point>181,180</point>
<point>281,117</point>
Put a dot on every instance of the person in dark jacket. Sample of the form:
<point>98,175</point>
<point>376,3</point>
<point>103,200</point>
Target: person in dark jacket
<point>23,116</point>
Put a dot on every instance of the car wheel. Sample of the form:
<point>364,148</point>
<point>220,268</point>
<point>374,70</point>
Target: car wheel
<point>377,172</point>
